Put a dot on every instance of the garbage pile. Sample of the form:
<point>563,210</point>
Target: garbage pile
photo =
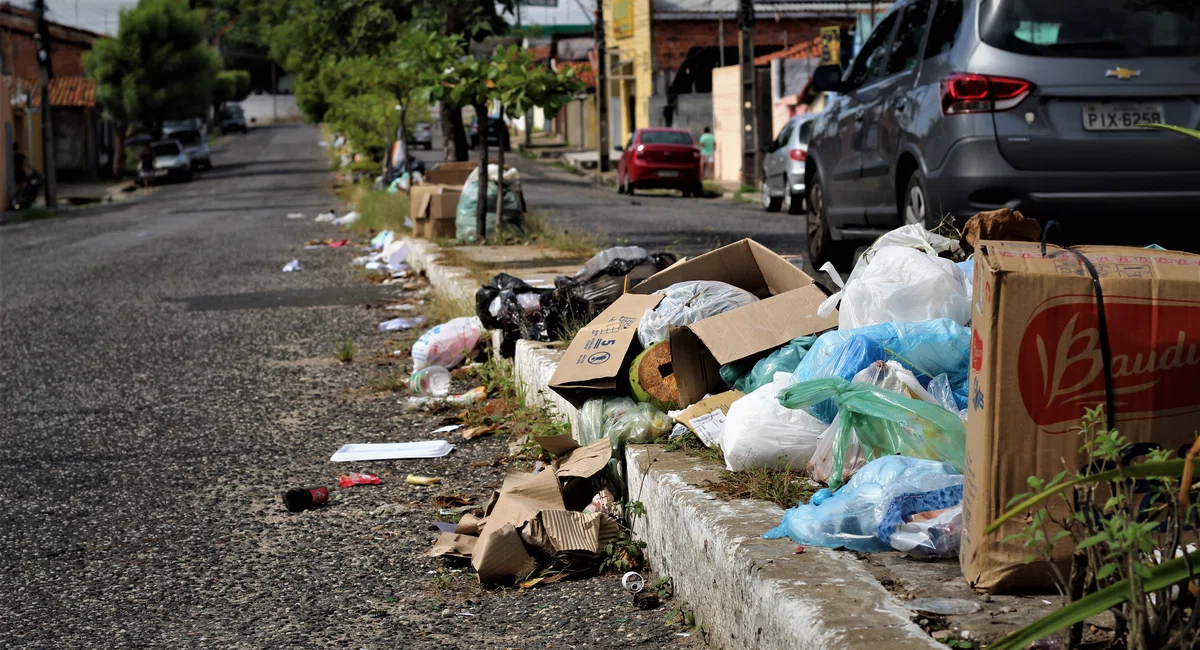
<point>522,311</point>
<point>873,389</point>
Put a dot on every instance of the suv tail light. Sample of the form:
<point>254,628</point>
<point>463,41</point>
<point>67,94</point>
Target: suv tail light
<point>981,93</point>
<point>799,155</point>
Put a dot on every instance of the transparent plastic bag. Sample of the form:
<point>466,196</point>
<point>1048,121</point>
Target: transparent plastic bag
<point>512,214</point>
<point>899,285</point>
<point>928,348</point>
<point>882,422</point>
<point>447,344</point>
<point>852,517</point>
<point>685,303</point>
<point>931,534</point>
<point>622,420</point>
<point>760,432</point>
<point>785,359</point>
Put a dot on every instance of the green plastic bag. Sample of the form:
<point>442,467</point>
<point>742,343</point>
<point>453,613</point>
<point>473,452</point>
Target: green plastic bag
<point>785,359</point>
<point>464,217</point>
<point>884,423</point>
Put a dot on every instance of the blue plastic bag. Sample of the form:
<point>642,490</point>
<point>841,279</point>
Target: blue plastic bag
<point>785,359</point>
<point>927,348</point>
<point>880,495</point>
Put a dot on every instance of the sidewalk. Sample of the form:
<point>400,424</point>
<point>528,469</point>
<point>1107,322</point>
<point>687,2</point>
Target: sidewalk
<point>744,591</point>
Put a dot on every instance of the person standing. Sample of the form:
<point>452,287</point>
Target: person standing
<point>708,149</point>
<point>146,166</point>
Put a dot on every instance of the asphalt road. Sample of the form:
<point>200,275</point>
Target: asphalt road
<point>163,381</point>
<point>684,226</point>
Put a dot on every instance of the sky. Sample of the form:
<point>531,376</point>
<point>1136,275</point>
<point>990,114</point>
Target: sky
<point>96,15</point>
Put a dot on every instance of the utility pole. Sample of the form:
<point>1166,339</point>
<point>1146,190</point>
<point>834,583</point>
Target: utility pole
<point>45,74</point>
<point>745,20</point>
<point>602,87</point>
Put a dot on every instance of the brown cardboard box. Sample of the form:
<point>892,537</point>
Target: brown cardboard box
<point>787,308</point>
<point>433,208</point>
<point>1036,365</point>
<point>450,173</point>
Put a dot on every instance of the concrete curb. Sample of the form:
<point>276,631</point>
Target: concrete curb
<point>745,591</point>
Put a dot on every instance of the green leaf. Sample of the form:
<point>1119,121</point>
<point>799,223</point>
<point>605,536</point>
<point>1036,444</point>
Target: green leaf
<point>1092,541</point>
<point>1160,577</point>
<point>1171,127</point>
<point>1157,469</point>
<point>1106,571</point>
<point>1060,535</point>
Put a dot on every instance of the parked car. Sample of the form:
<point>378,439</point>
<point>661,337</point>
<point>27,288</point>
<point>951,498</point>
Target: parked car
<point>497,133</point>
<point>783,165</point>
<point>233,120</point>
<point>171,162</point>
<point>170,127</point>
<point>660,158</point>
<point>422,134</point>
<point>196,148</point>
<point>956,106</point>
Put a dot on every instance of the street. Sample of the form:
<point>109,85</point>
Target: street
<point>164,382</point>
<point>659,221</point>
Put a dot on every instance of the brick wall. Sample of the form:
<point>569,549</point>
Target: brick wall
<point>67,45</point>
<point>673,39</point>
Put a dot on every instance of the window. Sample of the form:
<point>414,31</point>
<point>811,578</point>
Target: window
<point>187,137</point>
<point>667,137</point>
<point>908,39</point>
<point>165,149</point>
<point>868,65</point>
<point>944,30</point>
<point>785,134</point>
<point>805,134</point>
<point>1090,28</point>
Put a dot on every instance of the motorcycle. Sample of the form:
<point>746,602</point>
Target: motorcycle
<point>27,195</point>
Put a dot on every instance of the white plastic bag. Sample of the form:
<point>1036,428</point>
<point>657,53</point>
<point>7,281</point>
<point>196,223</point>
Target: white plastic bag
<point>685,303</point>
<point>447,344</point>
<point>923,535</point>
<point>761,432</point>
<point>899,284</point>
<point>910,236</point>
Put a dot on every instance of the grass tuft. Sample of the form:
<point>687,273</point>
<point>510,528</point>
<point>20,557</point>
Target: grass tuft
<point>784,487</point>
<point>345,350</point>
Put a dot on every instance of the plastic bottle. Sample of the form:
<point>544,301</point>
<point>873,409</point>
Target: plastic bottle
<point>297,499</point>
<point>434,380</point>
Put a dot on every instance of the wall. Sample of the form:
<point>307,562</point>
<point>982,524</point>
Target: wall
<point>262,108</point>
<point>67,46</point>
<point>692,112</point>
<point>7,134</point>
<point>727,122</point>
<point>673,39</point>
<point>636,48</point>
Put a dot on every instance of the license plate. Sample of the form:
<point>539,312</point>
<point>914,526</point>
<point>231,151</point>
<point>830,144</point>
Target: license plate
<point>666,173</point>
<point>1120,117</point>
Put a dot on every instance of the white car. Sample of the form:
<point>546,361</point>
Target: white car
<point>171,162</point>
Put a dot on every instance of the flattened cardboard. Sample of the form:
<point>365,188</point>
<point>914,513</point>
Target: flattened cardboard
<point>453,545</point>
<point>450,173</point>
<point>469,524</point>
<point>562,531</point>
<point>707,417</point>
<point>1036,365</point>
<point>585,461</point>
<point>500,553</point>
<point>597,353</point>
<point>559,445</point>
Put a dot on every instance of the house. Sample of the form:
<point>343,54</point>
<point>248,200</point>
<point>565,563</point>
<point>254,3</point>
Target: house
<point>83,141</point>
<point>662,53</point>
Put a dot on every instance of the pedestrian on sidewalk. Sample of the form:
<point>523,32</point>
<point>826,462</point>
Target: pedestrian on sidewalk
<point>146,167</point>
<point>708,148</point>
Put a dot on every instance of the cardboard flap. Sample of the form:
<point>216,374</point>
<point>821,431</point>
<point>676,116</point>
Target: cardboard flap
<point>585,461</point>
<point>469,524</point>
<point>559,531</point>
<point>522,496</point>
<point>762,325</point>
<point>706,418</point>
<point>594,359</point>
<point>557,445</point>
<point>500,555</point>
<point>1110,261</point>
<point>733,264</point>
<point>453,545</point>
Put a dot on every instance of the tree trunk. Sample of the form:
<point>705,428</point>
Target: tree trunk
<point>500,175</point>
<point>118,161</point>
<point>481,207</point>
<point>454,137</point>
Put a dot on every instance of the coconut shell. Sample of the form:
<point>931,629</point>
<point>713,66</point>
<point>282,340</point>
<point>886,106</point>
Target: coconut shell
<point>651,378</point>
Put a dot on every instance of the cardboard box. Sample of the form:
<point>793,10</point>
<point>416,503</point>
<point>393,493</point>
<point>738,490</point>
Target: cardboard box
<point>450,173</point>
<point>433,209</point>
<point>1036,365</point>
<point>787,308</point>
<point>706,418</point>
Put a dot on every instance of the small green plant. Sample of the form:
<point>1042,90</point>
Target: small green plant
<point>393,380</point>
<point>664,587</point>
<point>681,615</point>
<point>961,644</point>
<point>783,486</point>
<point>1132,526</point>
<point>623,553</point>
<point>345,349</point>
<point>740,194</point>
<point>442,579</point>
<point>635,509</point>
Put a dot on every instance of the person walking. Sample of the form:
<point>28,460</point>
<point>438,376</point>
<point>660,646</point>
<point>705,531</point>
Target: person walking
<point>146,167</point>
<point>708,149</point>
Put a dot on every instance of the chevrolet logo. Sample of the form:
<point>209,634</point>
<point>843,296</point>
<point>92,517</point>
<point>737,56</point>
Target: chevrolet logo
<point>1124,74</point>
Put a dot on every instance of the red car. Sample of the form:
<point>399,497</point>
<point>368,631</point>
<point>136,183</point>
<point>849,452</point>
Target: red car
<point>660,158</point>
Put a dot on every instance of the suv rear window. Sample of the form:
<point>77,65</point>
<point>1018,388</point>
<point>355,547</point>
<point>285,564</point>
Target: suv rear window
<point>1089,28</point>
<point>666,137</point>
<point>165,148</point>
<point>187,138</point>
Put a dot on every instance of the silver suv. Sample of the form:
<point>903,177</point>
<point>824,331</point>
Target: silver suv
<point>956,106</point>
<point>783,165</point>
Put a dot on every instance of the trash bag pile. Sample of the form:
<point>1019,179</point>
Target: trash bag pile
<point>512,212</point>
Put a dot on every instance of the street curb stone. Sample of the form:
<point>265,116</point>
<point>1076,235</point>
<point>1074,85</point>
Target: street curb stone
<point>745,591</point>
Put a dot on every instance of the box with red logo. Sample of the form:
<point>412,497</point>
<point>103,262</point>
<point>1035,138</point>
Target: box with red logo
<point>1036,364</point>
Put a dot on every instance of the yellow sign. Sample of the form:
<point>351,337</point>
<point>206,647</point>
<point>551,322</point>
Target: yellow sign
<point>831,45</point>
<point>622,18</point>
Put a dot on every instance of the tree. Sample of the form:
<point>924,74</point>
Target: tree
<point>230,86</point>
<point>157,68</point>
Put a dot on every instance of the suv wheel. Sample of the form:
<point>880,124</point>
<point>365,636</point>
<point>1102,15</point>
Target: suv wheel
<point>821,245</point>
<point>770,203</point>
<point>916,201</point>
